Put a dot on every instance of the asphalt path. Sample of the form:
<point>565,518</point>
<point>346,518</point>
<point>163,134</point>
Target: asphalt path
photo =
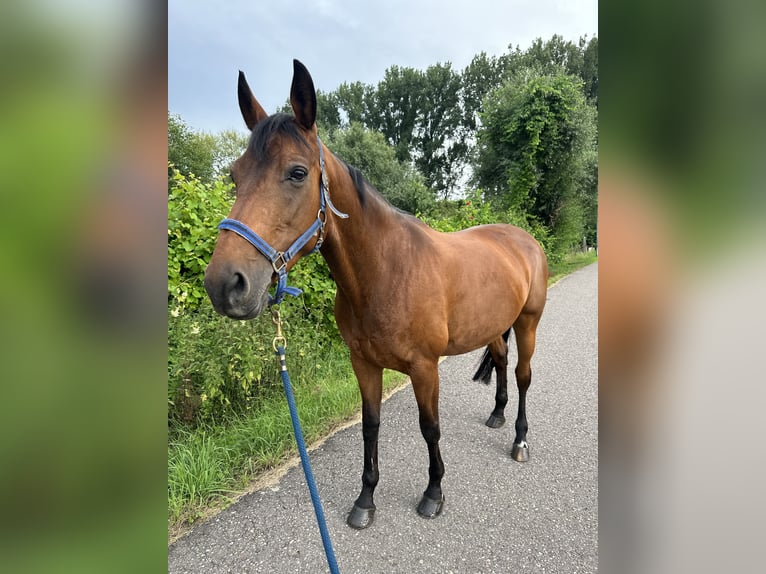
<point>499,516</point>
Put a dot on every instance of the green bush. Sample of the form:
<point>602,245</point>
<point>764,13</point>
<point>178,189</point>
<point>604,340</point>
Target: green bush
<point>194,211</point>
<point>474,210</point>
<point>218,367</point>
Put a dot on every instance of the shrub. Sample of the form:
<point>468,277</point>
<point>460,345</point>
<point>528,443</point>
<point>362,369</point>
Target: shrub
<point>194,211</point>
<point>473,210</point>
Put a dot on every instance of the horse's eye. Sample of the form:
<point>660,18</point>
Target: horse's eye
<point>298,174</point>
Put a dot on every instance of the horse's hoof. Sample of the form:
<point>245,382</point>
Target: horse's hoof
<point>430,508</point>
<point>520,452</point>
<point>494,422</point>
<point>360,518</point>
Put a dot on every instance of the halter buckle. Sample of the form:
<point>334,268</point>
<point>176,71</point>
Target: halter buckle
<point>279,263</point>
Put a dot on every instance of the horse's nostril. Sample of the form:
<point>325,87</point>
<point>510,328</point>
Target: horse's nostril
<point>237,285</point>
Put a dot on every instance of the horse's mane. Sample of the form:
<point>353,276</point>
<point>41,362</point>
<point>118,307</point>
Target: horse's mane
<point>360,182</point>
<point>364,189</point>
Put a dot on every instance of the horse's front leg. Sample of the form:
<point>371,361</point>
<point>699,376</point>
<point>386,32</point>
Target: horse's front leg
<point>425,383</point>
<point>370,380</point>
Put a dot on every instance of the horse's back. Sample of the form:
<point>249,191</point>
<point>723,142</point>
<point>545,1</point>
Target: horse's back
<point>502,243</point>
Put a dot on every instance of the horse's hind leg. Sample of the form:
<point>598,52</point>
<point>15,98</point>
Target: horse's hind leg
<point>370,380</point>
<point>498,350</point>
<point>525,328</point>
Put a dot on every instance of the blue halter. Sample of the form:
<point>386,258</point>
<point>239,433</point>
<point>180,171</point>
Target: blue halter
<point>279,259</point>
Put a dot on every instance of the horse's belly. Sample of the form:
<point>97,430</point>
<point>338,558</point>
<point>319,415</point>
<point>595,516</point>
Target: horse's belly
<point>476,324</point>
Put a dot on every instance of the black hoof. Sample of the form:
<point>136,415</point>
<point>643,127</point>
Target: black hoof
<point>494,422</point>
<point>520,452</point>
<point>360,518</point>
<point>430,508</point>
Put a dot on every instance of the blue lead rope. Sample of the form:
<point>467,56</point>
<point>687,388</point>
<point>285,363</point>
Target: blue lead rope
<point>328,550</point>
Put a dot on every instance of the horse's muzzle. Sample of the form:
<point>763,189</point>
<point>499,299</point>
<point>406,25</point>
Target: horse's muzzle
<point>235,293</point>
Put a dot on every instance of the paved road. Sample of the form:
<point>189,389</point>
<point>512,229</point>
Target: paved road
<point>500,516</point>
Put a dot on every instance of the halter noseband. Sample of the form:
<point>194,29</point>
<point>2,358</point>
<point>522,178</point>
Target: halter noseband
<point>279,259</point>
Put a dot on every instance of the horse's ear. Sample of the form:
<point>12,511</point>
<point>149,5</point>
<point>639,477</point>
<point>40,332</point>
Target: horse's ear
<point>252,112</point>
<point>303,97</point>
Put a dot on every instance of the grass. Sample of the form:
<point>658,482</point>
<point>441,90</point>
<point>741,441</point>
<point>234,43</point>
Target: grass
<point>211,465</point>
<point>570,263</point>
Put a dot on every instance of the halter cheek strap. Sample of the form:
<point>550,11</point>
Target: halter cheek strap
<point>279,259</point>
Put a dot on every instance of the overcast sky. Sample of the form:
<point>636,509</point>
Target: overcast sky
<point>339,41</point>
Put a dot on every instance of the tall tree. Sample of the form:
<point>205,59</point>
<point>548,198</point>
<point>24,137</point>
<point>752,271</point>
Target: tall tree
<point>354,99</point>
<point>369,152</point>
<point>190,152</point>
<point>229,146</point>
<point>483,75</point>
<point>440,147</point>
<point>589,72</point>
<point>394,109</point>
<point>536,146</point>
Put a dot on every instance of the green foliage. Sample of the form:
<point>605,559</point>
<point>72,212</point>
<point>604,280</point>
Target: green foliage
<point>218,368</point>
<point>317,304</point>
<point>229,145</point>
<point>570,223</point>
<point>461,214</point>
<point>430,116</point>
<point>208,462</point>
<point>201,156</point>
<point>191,153</point>
<point>368,151</point>
<point>194,211</point>
<point>537,150</point>
<point>394,110</point>
<point>441,146</point>
<point>355,101</point>
<point>474,210</point>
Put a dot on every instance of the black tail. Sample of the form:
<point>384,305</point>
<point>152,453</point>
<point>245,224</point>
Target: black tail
<point>484,372</point>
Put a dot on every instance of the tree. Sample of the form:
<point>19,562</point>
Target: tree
<point>483,75</point>
<point>191,153</point>
<point>229,145</point>
<point>369,152</point>
<point>589,72</point>
<point>536,150</point>
<point>354,100</point>
<point>395,107</point>
<point>440,148</point>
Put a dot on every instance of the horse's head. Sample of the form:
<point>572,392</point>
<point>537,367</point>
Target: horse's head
<point>278,202</point>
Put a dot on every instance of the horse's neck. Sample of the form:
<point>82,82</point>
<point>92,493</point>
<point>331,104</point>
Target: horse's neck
<point>353,246</point>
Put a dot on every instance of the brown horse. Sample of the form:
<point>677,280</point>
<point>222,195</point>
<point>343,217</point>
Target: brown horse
<point>406,295</point>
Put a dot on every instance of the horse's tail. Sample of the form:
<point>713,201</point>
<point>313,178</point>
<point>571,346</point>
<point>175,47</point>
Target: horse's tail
<point>484,372</point>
